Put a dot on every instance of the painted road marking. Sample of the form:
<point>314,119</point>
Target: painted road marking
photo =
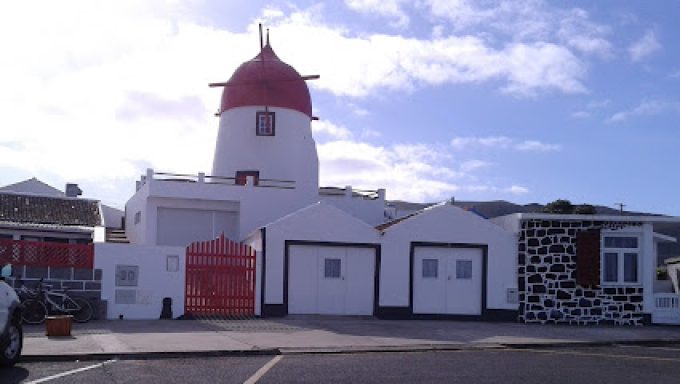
<point>609,355</point>
<point>71,372</point>
<point>655,348</point>
<point>262,371</point>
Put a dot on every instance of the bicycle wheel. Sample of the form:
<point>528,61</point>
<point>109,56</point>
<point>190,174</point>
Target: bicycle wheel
<point>84,313</point>
<point>34,312</point>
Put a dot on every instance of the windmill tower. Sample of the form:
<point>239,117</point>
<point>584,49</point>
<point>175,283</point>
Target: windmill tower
<point>265,125</point>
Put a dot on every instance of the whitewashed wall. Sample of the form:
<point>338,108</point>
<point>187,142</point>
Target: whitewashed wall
<point>155,282</point>
<point>136,230</point>
<point>288,155</point>
<point>372,211</point>
<point>253,206</point>
<point>447,224</point>
<point>255,242</point>
<point>113,217</point>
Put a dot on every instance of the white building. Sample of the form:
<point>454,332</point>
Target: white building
<point>265,167</point>
<point>318,249</point>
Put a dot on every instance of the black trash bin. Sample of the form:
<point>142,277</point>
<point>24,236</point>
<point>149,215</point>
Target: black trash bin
<point>166,312</point>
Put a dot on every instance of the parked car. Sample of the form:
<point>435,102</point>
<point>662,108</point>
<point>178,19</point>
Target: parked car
<point>11,333</point>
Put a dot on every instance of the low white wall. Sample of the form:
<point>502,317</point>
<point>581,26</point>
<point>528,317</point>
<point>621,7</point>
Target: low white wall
<point>154,280</point>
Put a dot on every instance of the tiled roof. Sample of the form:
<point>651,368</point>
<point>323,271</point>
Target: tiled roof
<point>21,208</point>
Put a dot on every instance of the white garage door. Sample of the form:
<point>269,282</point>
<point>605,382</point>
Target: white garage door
<point>447,281</point>
<point>330,280</point>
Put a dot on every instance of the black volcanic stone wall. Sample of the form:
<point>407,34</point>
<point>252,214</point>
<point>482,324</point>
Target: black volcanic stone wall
<point>548,292</point>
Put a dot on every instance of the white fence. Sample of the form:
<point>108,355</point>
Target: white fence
<point>666,308</point>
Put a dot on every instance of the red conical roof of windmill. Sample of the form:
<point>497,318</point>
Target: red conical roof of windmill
<point>267,81</point>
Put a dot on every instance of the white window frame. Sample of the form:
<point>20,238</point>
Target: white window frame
<point>263,129</point>
<point>620,260</point>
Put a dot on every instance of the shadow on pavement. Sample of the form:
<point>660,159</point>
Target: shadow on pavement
<point>13,375</point>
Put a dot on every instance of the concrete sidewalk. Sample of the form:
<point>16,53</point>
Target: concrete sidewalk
<point>312,334</point>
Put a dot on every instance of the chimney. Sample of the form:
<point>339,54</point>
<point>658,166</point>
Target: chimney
<point>72,190</point>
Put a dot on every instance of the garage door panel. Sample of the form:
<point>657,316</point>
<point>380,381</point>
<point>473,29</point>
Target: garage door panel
<point>302,290</point>
<point>464,293</point>
<point>447,280</point>
<point>430,280</point>
<point>331,280</point>
<point>359,295</point>
<point>332,268</point>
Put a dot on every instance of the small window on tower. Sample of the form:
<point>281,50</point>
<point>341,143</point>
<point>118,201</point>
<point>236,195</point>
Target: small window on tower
<point>265,124</point>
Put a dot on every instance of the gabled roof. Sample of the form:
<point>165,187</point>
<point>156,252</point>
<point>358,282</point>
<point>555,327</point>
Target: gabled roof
<point>33,186</point>
<point>33,209</point>
<point>388,224</point>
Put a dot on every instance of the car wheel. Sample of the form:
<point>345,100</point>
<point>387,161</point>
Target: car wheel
<point>15,341</point>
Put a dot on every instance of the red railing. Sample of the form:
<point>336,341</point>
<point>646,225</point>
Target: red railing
<point>220,279</point>
<point>41,254</point>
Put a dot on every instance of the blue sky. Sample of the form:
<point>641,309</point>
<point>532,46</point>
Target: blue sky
<point>527,101</point>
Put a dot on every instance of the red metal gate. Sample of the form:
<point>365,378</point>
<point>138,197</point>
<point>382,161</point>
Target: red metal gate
<point>220,279</point>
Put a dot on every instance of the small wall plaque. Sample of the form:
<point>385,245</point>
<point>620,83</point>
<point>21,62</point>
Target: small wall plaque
<point>172,263</point>
<point>126,296</point>
<point>127,275</point>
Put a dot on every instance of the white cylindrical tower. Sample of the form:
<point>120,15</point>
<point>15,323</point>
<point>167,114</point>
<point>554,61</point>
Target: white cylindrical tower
<point>265,125</point>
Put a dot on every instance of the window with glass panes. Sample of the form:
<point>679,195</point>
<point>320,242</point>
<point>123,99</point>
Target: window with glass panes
<point>265,123</point>
<point>620,259</point>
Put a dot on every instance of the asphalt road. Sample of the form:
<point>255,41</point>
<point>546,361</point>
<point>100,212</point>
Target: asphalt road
<point>613,364</point>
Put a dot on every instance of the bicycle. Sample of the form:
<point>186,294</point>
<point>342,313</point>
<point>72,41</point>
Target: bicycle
<point>36,303</point>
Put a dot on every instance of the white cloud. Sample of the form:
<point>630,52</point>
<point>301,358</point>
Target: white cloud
<point>409,172</point>
<point>473,165</point>
<point>580,114</point>
<point>502,142</point>
<point>359,66</point>
<point>536,146</point>
<point>517,190</point>
<point>489,141</point>
<point>646,108</point>
<point>526,21</point>
<point>644,47</point>
<point>96,92</point>
<point>325,128</point>
<point>368,133</point>
<point>590,107</point>
<point>413,172</point>
<point>597,104</point>
<point>357,110</point>
<point>390,9</point>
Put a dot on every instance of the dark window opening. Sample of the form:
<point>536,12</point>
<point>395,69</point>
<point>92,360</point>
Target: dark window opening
<point>242,177</point>
<point>332,268</point>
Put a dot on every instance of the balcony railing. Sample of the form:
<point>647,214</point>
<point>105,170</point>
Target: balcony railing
<point>202,178</point>
<point>366,194</point>
<point>42,254</point>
